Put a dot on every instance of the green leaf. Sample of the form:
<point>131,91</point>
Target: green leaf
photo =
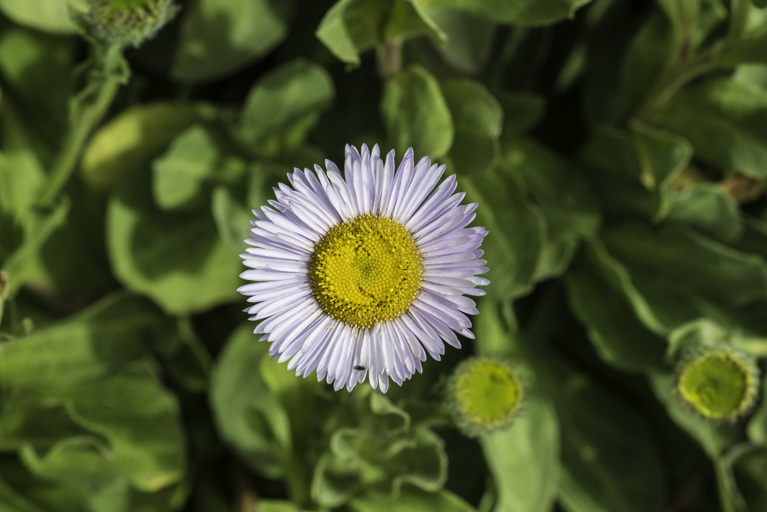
<point>351,27</point>
<point>519,12</point>
<point>30,62</point>
<point>184,174</point>
<point>477,118</point>
<point>757,426</point>
<point>132,139</point>
<point>139,421</point>
<point>248,416</point>
<point>524,460</point>
<point>469,37</point>
<point>411,500</point>
<point>603,298</point>
<point>107,336</point>
<point>220,36</point>
<point>416,114</point>
<point>382,453</point>
<point>600,433</point>
<point>522,111</point>
<point>284,105</point>
<point>513,248</point>
<point>564,197</point>
<point>177,259</point>
<point>46,15</point>
<point>633,170</point>
<point>724,122</point>
<point>707,208</point>
<point>689,261</point>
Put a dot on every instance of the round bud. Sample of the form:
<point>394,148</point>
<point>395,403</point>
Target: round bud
<point>718,383</point>
<point>125,22</point>
<point>485,394</point>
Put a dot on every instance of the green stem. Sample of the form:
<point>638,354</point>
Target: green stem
<point>675,80</point>
<point>722,485</point>
<point>391,58</point>
<point>90,112</point>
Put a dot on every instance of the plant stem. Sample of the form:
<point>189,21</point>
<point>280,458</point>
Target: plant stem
<point>722,485</point>
<point>90,111</point>
<point>391,58</point>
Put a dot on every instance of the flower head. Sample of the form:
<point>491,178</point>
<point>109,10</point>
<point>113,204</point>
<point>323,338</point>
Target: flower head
<point>719,383</point>
<point>361,275</point>
<point>485,395</point>
<point>125,22</point>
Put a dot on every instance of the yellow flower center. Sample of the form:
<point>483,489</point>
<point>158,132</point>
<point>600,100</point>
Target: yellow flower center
<point>716,384</point>
<point>365,271</point>
<point>488,393</point>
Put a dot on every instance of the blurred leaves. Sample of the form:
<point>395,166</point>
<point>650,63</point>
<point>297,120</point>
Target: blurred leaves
<point>617,153</point>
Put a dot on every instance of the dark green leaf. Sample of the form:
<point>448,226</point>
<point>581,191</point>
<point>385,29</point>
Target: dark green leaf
<point>416,113</point>
<point>724,122</point>
<point>513,246</point>
<point>603,298</point>
<point>477,118</point>
<point>599,434</point>
<point>351,27</point>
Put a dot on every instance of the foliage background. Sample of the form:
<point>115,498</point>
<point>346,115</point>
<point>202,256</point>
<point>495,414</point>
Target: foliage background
<point>617,149</point>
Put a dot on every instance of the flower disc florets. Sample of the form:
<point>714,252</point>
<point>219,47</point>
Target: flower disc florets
<point>485,395</point>
<point>362,275</point>
<point>718,383</point>
<point>125,22</point>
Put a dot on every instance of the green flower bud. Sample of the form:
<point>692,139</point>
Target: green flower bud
<point>125,22</point>
<point>485,395</point>
<point>719,383</point>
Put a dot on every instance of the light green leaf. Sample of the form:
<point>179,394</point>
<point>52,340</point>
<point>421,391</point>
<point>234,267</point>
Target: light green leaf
<point>724,122</point>
<point>129,141</point>
<point>477,118</point>
<point>411,500</point>
<point>524,459</point>
<point>283,106</point>
<point>381,452</point>
<point>107,336</point>
<point>351,27</point>
<point>220,36</point>
<point>757,426</point>
<point>139,421</point>
<point>248,416</point>
<point>416,114</point>
<point>46,15</point>
<point>519,12</point>
<point>176,259</point>
<point>183,175</point>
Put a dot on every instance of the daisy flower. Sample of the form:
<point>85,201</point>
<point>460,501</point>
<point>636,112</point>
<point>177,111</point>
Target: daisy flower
<point>361,275</point>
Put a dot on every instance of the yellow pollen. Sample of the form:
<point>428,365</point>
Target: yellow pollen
<point>365,271</point>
